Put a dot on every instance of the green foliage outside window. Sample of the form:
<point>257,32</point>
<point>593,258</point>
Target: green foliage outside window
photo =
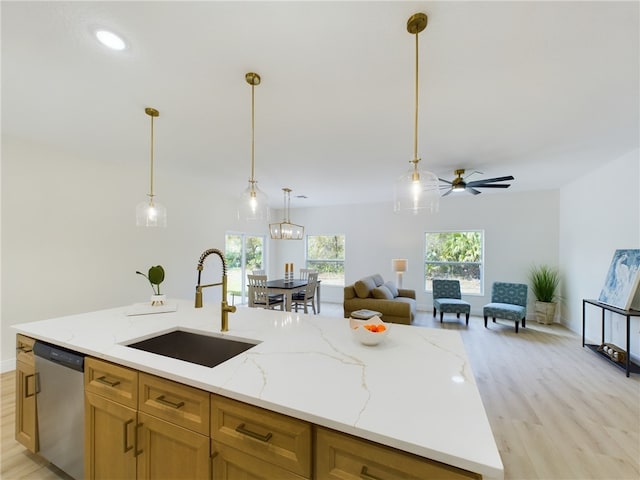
<point>457,256</point>
<point>325,253</point>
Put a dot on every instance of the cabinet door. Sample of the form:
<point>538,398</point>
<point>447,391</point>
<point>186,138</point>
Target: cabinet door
<point>343,457</point>
<point>25,420</point>
<point>167,451</point>
<point>109,439</point>
<point>232,464</point>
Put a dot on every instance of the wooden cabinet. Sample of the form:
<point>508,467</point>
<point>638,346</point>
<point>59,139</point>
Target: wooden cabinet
<point>109,447</point>
<point>26,422</point>
<point>343,457</point>
<point>258,441</point>
<point>110,420</point>
<point>141,426</point>
<point>174,430</point>
<point>170,452</point>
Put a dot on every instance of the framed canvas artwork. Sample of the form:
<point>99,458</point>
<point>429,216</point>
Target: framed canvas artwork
<point>622,280</point>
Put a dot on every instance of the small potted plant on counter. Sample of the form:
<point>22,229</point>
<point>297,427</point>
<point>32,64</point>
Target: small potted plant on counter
<point>544,284</point>
<point>155,277</point>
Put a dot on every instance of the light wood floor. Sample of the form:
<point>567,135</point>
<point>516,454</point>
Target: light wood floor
<point>557,411</point>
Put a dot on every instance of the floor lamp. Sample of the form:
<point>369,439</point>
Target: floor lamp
<point>399,266</point>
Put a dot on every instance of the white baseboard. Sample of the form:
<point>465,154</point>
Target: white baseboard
<point>8,365</point>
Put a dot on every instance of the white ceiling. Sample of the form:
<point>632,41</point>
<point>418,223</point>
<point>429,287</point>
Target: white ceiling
<point>542,91</point>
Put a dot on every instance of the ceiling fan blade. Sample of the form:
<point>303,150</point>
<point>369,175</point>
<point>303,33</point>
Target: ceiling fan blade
<point>472,190</point>
<point>492,185</point>
<point>445,181</point>
<point>447,192</point>
<point>476,183</point>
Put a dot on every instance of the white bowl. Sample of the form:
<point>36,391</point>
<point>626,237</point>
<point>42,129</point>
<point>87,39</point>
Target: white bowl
<point>365,336</point>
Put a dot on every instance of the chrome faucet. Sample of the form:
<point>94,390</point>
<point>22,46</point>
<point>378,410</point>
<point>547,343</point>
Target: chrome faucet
<point>225,307</point>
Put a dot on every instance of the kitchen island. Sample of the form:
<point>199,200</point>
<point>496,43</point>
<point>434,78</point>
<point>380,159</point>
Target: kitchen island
<point>414,392</point>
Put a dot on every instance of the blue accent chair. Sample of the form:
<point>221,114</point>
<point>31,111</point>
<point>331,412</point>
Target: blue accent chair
<point>508,301</point>
<point>447,298</point>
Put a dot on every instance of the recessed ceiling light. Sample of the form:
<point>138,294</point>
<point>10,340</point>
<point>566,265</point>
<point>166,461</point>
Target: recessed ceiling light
<point>110,40</point>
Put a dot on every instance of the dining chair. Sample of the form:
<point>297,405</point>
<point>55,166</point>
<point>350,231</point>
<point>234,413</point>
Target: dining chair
<point>258,272</point>
<point>304,273</point>
<point>306,297</point>
<point>259,294</point>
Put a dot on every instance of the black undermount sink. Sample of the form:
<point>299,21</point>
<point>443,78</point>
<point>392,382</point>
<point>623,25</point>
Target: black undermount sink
<point>193,347</point>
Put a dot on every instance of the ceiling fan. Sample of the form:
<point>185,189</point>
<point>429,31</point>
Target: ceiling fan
<point>459,185</point>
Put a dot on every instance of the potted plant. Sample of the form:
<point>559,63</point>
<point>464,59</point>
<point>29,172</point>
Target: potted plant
<point>544,284</point>
<point>155,277</point>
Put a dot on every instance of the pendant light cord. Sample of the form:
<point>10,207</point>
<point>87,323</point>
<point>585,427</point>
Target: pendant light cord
<point>151,173</point>
<point>252,135</point>
<point>415,130</point>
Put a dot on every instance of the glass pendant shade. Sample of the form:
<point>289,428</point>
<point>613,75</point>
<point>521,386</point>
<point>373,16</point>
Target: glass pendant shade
<point>417,191</point>
<point>151,214</point>
<point>253,204</point>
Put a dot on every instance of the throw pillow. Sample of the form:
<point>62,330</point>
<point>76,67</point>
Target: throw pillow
<point>382,293</point>
<point>377,278</point>
<point>392,288</point>
<point>364,286</point>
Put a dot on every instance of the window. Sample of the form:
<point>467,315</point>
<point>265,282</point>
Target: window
<point>456,256</point>
<point>325,253</point>
<point>243,253</point>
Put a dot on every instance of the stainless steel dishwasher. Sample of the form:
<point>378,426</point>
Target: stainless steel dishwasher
<point>60,407</point>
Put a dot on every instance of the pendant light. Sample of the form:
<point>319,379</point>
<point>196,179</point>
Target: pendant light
<point>150,213</point>
<point>254,202</point>
<point>286,230</point>
<point>417,190</point>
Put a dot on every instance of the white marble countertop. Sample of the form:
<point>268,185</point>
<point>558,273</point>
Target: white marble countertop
<point>415,391</point>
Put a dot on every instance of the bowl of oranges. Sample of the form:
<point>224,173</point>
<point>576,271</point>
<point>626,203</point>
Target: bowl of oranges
<point>369,332</point>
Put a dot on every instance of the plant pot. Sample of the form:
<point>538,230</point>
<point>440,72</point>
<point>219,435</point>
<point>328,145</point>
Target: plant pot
<point>157,300</point>
<point>545,312</point>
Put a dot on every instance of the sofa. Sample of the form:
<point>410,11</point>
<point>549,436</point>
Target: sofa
<point>397,305</point>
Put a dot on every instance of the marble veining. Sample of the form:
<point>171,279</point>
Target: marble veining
<point>415,391</point>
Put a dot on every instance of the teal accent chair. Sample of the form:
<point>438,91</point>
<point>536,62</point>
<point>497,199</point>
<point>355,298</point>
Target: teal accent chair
<point>447,298</point>
<point>508,301</point>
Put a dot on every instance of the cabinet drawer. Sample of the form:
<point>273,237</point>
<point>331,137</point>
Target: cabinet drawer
<point>341,456</point>
<point>232,464</point>
<point>180,404</point>
<point>269,436</point>
<point>114,382</point>
<point>24,350</point>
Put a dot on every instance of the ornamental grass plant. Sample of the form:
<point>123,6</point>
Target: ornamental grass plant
<point>544,283</point>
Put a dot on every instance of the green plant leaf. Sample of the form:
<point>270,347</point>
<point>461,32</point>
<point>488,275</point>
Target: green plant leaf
<point>544,283</point>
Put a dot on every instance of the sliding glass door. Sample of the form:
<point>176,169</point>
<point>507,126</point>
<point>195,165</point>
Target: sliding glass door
<point>244,253</point>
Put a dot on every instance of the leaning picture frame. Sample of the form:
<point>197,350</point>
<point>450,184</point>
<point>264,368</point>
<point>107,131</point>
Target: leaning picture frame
<point>622,281</point>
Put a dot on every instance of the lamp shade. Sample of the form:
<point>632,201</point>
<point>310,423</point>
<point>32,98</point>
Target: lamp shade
<point>399,264</point>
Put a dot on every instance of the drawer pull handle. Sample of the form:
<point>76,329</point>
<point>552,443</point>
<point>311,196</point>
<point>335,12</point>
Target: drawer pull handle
<point>367,476</point>
<point>169,403</point>
<point>126,436</point>
<point>103,380</point>
<point>263,438</point>
<point>23,349</point>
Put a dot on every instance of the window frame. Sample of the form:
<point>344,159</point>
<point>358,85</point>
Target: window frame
<point>481,263</point>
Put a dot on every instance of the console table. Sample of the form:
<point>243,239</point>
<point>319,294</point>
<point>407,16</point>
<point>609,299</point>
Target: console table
<point>629,365</point>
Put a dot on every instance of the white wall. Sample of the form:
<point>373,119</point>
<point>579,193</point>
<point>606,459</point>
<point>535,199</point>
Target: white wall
<point>69,240</point>
<point>599,213</point>
<point>520,229</point>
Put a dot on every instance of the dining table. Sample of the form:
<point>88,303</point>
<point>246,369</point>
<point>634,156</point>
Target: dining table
<point>288,288</point>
